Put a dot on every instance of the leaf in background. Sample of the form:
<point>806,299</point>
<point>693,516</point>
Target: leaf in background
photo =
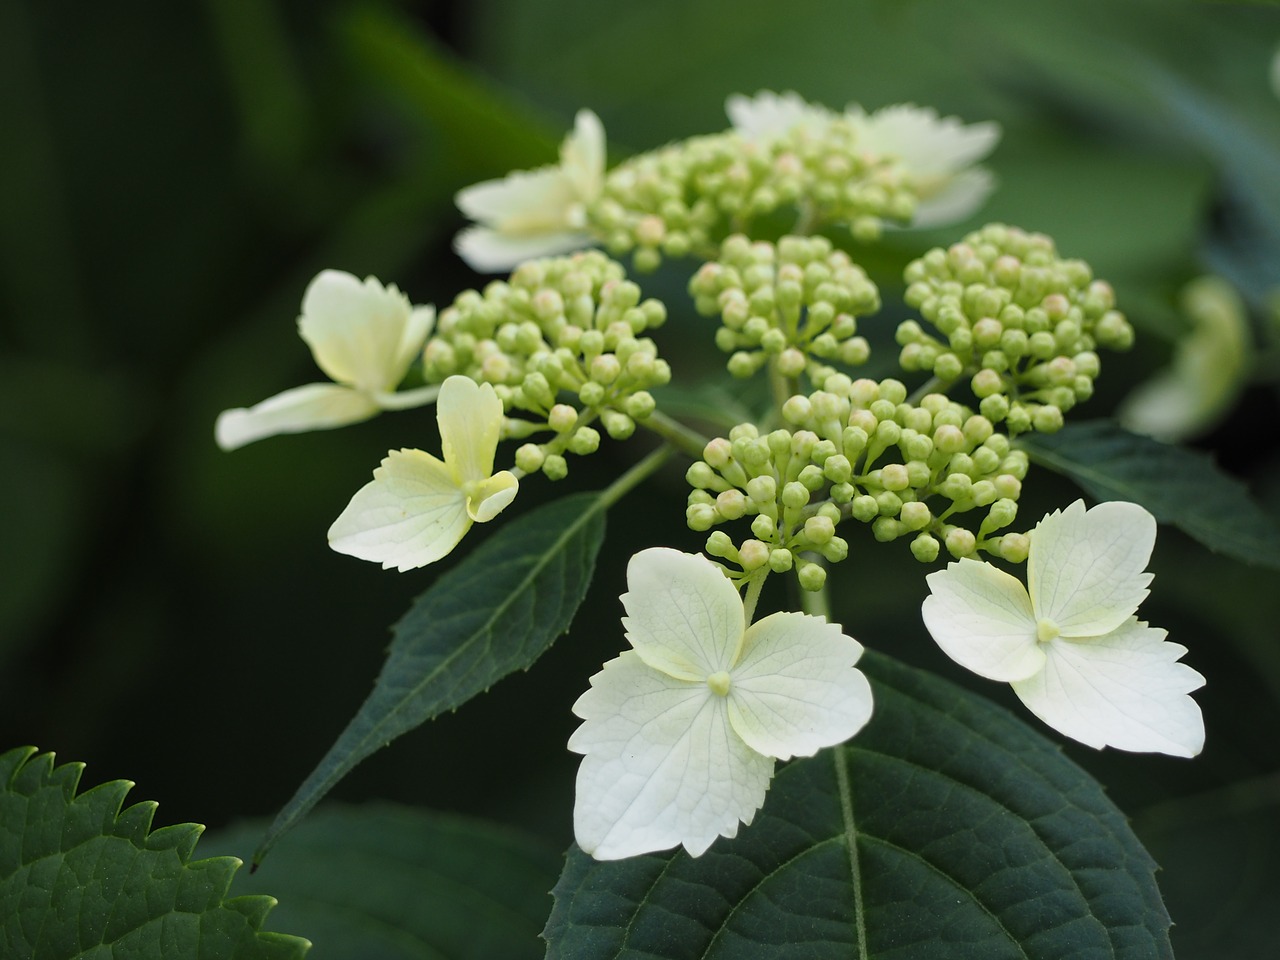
<point>412,884</point>
<point>947,828</point>
<point>1178,486</point>
<point>80,877</point>
<point>494,613</point>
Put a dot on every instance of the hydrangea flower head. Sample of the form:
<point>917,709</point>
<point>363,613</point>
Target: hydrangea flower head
<point>681,732</point>
<point>535,213</point>
<point>363,336</point>
<point>1069,642</point>
<point>937,152</point>
<point>417,508</point>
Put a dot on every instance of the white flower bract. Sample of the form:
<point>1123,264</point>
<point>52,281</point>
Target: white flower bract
<point>680,734</point>
<point>937,153</point>
<point>364,336</point>
<point>418,507</point>
<point>535,213</point>
<point>1069,642</point>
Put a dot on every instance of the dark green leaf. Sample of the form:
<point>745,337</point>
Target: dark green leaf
<point>1179,486</point>
<point>80,877</point>
<point>492,614</point>
<point>412,884</point>
<point>946,829</point>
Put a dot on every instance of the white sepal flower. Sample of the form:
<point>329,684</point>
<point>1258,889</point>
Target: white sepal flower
<point>1069,642</point>
<point>680,734</point>
<point>936,152</point>
<point>417,507</point>
<point>535,213</point>
<point>363,336</point>
<point>768,114</point>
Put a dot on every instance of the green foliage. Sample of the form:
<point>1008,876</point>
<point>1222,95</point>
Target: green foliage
<point>82,878</point>
<point>947,828</point>
<point>411,883</point>
<point>1178,486</point>
<point>492,614</point>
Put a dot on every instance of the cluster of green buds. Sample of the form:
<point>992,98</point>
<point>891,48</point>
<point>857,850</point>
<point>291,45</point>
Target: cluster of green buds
<point>856,449</point>
<point>1022,323</point>
<point>563,340</point>
<point>789,303</point>
<point>686,197</point>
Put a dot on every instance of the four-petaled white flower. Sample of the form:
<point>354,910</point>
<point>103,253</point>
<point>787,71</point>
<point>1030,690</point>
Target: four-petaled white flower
<point>364,336</point>
<point>1069,643</point>
<point>535,213</point>
<point>680,734</point>
<point>937,153</point>
<point>417,507</point>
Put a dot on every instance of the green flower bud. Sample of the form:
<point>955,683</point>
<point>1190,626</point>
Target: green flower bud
<point>731,504</point>
<point>700,516</point>
<point>780,559</point>
<point>753,555</point>
<point>719,544</point>
<point>555,467</point>
<point>949,439</point>
<point>885,529</point>
<point>1014,547</point>
<point>562,418</point>
<point>864,507</point>
<point>585,440</point>
<point>915,515</point>
<point>529,457</point>
<point>764,527</point>
<point>591,394</point>
<point>1003,512</point>
<point>1047,419</point>
<point>893,476</point>
<point>639,405</point>
<point>812,477</point>
<point>812,576</point>
<point>702,477</point>
<point>835,549</point>
<point>795,495</point>
<point>797,409</point>
<point>925,548</point>
<point>618,425</point>
<point>960,542</point>
<point>791,362</point>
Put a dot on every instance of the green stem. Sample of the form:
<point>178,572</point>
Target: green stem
<point>754,585</point>
<point>636,475</point>
<point>685,439</point>
<point>409,398</point>
<point>929,386</point>
<point>816,603</point>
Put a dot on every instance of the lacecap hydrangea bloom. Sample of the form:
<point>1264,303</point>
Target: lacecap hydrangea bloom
<point>535,213</point>
<point>937,153</point>
<point>417,507</point>
<point>1069,642</point>
<point>364,336</point>
<point>680,733</point>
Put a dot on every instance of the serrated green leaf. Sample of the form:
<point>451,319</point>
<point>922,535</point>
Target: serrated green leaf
<point>946,829</point>
<point>411,883</point>
<point>81,878</point>
<point>1179,486</point>
<point>494,613</point>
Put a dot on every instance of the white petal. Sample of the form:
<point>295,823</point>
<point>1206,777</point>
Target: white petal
<point>770,114</point>
<point>522,203</point>
<point>795,689</point>
<point>684,617</point>
<point>470,418</point>
<point>926,143</point>
<point>661,766</point>
<point>412,513</point>
<point>1124,690</point>
<point>317,406</point>
<point>956,197</point>
<point>488,251</point>
<point>492,496</point>
<point>361,333</point>
<point>981,618</point>
<point>1085,568</point>
<point>582,156</point>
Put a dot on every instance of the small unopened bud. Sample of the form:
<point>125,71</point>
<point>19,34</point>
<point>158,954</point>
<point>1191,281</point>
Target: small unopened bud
<point>1014,547</point>
<point>731,504</point>
<point>585,440</point>
<point>562,417</point>
<point>781,560</point>
<point>529,457</point>
<point>753,554</point>
<point>960,542</point>
<point>925,548</point>
<point>720,544</point>
<point>555,467</point>
<point>812,576</point>
<point>915,515</point>
<point>819,529</point>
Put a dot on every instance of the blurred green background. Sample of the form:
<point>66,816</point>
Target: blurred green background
<point>174,174</point>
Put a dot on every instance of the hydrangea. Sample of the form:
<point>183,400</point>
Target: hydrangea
<point>535,213</point>
<point>936,153</point>
<point>364,336</point>
<point>1069,642</point>
<point>417,507</point>
<point>681,732</point>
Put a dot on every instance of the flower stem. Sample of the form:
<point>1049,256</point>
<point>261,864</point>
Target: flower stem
<point>816,603</point>
<point>685,439</point>
<point>754,584</point>
<point>409,398</point>
<point>634,476</point>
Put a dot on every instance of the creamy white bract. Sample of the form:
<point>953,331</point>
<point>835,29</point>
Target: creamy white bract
<point>535,213</point>
<point>364,336</point>
<point>1069,642</point>
<point>680,733</point>
<point>418,507</point>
